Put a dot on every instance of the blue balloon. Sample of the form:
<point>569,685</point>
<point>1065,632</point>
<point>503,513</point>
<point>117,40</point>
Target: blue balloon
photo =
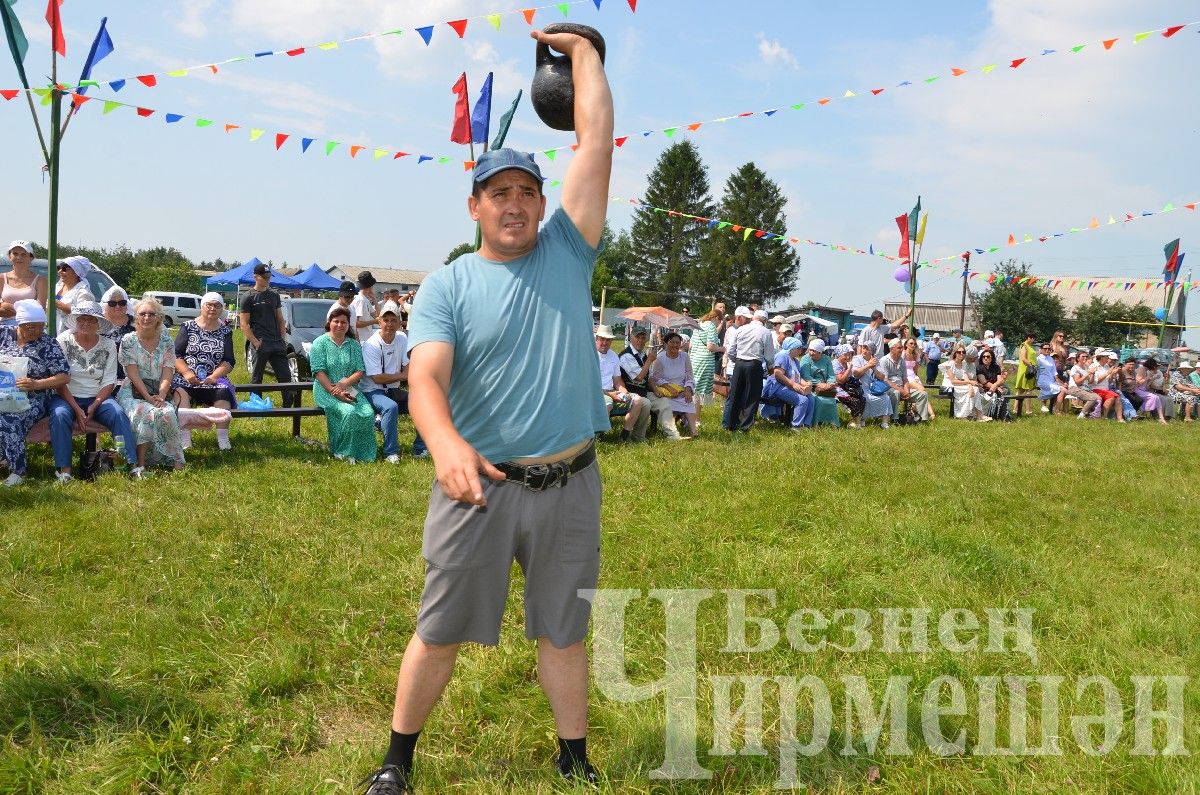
<point>1160,313</point>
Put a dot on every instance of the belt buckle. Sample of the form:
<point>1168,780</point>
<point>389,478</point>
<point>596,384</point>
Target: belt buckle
<point>541,471</point>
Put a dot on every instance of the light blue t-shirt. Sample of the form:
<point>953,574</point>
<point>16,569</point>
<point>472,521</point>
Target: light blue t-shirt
<point>525,371</point>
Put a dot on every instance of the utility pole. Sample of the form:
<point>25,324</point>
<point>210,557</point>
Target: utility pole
<point>962,308</point>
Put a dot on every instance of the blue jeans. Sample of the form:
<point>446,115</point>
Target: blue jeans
<point>62,424</point>
<point>803,406</point>
<point>388,411</point>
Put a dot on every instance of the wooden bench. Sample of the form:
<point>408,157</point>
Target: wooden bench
<point>935,390</point>
<point>295,413</point>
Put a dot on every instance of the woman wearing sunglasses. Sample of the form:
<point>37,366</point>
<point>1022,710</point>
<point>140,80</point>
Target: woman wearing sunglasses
<point>118,311</point>
<point>72,283</point>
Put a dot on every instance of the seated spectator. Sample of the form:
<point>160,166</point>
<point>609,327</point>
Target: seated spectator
<point>816,369</point>
<point>72,284</point>
<point>47,371</point>
<point>865,367</point>
<point>1147,376</point>
<point>849,388</point>
<point>671,378</point>
<point>914,363</point>
<point>337,366</point>
<point>203,360</point>
<point>784,385</point>
<point>1080,379</point>
<point>893,370</point>
<point>636,361</point>
<point>1051,390</point>
<point>385,357</point>
<point>1104,373</point>
<point>1185,394</point>
<point>148,357</point>
<point>968,400</point>
<point>92,358</point>
<point>616,396</point>
<point>990,376</point>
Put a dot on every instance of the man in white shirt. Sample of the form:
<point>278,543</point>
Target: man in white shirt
<point>893,370</point>
<point>385,355</point>
<point>874,332</point>
<point>752,352</point>
<point>637,417</point>
<point>636,361</point>
<point>365,308</point>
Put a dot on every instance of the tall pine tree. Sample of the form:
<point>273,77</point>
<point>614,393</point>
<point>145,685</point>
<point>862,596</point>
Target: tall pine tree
<point>668,246</point>
<point>743,270</point>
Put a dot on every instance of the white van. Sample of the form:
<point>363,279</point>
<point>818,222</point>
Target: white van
<point>177,307</point>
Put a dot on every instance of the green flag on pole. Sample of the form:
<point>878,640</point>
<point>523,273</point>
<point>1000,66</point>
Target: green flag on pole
<point>505,121</point>
<point>18,45</point>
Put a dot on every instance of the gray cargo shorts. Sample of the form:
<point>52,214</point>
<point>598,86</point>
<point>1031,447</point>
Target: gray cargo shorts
<point>554,535</point>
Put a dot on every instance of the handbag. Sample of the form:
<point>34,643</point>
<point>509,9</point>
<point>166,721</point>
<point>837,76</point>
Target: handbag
<point>879,388</point>
<point>721,387</point>
<point>94,463</point>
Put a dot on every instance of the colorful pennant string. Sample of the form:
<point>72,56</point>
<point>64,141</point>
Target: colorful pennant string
<point>1048,282</point>
<point>426,32</point>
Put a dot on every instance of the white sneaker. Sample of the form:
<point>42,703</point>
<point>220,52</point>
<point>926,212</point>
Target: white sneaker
<point>1081,416</point>
<point>187,440</point>
<point>1045,410</point>
<point>985,418</point>
<point>393,459</point>
<point>224,444</point>
<point>883,426</point>
<point>14,480</point>
<point>351,461</point>
<point>138,473</point>
<point>63,477</point>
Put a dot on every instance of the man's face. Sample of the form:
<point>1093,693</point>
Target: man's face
<point>508,210</point>
<point>638,340</point>
<point>603,344</point>
<point>389,323</point>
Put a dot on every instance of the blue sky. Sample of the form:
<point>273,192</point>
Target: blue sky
<point>1034,150</point>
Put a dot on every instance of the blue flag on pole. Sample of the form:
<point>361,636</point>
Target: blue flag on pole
<point>102,47</point>
<point>481,116</point>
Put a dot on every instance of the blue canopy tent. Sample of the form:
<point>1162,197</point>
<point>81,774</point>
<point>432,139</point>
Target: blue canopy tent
<point>313,278</point>
<point>244,275</point>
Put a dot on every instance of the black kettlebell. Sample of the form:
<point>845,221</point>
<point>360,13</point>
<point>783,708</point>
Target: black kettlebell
<point>553,92</point>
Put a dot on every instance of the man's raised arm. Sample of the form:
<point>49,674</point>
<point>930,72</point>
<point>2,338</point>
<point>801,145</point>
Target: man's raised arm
<point>585,185</point>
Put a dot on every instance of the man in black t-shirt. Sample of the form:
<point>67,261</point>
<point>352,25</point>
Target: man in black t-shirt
<point>264,327</point>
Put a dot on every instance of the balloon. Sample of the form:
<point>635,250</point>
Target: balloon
<point>907,287</point>
<point>901,274</point>
<point>1160,313</point>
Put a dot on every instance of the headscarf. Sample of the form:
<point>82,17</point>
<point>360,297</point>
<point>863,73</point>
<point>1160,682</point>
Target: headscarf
<point>81,265</point>
<point>29,311</point>
<point>115,292</point>
<point>791,343</point>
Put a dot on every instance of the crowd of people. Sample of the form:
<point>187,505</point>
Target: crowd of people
<point>115,364</point>
<point>881,372</point>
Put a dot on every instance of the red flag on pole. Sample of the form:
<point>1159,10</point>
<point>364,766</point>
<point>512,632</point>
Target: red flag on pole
<point>461,132</point>
<point>54,17</point>
<point>902,222</point>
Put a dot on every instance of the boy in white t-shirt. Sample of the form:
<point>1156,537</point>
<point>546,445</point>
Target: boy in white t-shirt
<point>385,355</point>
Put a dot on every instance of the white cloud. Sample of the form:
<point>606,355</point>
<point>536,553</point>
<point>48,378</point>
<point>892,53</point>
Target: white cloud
<point>193,16</point>
<point>772,52</point>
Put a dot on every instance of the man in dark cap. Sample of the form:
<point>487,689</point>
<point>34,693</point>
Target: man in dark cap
<point>262,323</point>
<point>365,305</point>
<point>485,387</point>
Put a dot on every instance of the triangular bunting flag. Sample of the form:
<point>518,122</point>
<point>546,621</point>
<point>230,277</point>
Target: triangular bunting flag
<point>149,80</point>
<point>1016,62</point>
<point>305,143</point>
<point>849,93</point>
<point>459,26</point>
<point>931,79</point>
<point>621,141</point>
<point>379,152</point>
<point>825,101</point>
<point>422,158</point>
<point>1139,36</point>
<point>468,165</point>
<point>1108,43</point>
<point>329,45</point>
<point>1078,47</point>
<point>116,85</point>
<point>550,153</point>
<point>670,132</point>
<point>564,8</point>
<point>173,117</point>
<point>528,14</point>
<point>877,91</point>
<point>1012,241</point>
<point>256,133</point>
<point>145,113</point>
<point>426,33</point>
<point>746,233</point>
<point>958,72</point>
<point>231,127</point>
<point>633,5</point>
<point>1094,224</point>
<point>295,52</point>
<point>1171,31</point>
<point>203,122</point>
<point>355,149</point>
<point>110,106</point>
<point>443,160</point>
<point>495,20</point>
<point>1191,206</point>
<point>1112,220</point>
<point>1168,207</point>
<point>178,73</point>
<point>988,68</point>
<point>399,155</point>
<point>330,146</point>
<point>696,125</point>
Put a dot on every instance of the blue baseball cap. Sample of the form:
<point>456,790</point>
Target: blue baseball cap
<point>494,161</point>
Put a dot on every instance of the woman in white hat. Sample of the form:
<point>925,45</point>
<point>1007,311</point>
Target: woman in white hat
<point>21,283</point>
<point>72,283</point>
<point>203,357</point>
<point>1185,394</point>
<point>88,396</point>
<point>45,371</point>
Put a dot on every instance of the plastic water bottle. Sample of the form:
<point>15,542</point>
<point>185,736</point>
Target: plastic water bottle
<point>122,460</point>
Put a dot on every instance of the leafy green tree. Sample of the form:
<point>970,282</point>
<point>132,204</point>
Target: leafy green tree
<point>1018,308</point>
<point>668,246</point>
<point>613,269</point>
<point>745,269</point>
<point>1091,327</point>
<point>458,251</point>
<point>171,276</point>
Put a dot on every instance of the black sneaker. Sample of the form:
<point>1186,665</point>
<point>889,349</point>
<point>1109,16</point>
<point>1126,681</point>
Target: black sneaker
<point>582,774</point>
<point>387,780</point>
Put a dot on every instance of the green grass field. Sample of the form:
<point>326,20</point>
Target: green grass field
<point>237,627</point>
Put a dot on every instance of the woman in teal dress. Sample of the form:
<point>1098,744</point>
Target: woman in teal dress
<point>337,365</point>
<point>817,369</point>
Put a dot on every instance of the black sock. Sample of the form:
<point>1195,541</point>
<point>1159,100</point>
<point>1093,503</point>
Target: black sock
<point>624,435</point>
<point>400,752</point>
<point>572,755</point>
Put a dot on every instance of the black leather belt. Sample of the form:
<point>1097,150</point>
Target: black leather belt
<point>539,477</point>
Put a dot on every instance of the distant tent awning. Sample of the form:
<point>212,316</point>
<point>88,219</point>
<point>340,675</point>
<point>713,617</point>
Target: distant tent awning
<point>243,275</point>
<point>659,316</point>
<point>313,278</point>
